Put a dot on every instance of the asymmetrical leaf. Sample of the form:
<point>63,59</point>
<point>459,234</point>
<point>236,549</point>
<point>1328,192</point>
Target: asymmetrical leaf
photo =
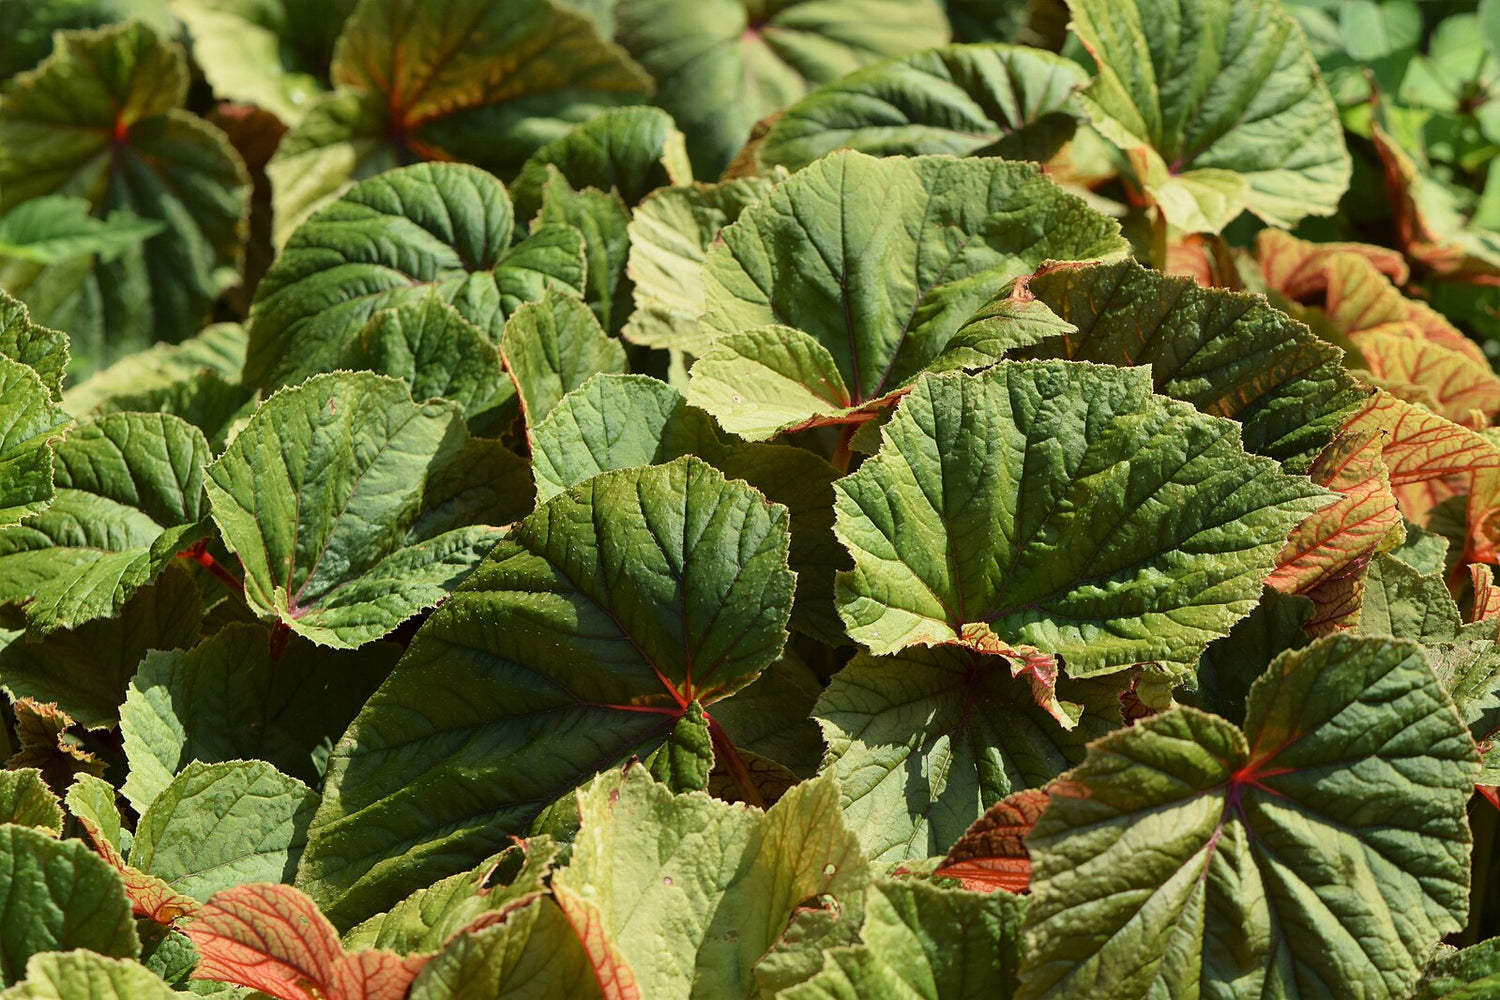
<point>461,80</point>
<point>615,422</point>
<point>669,582</point>
<point>29,423</point>
<point>264,52</point>
<point>630,151</point>
<point>922,941</point>
<point>102,119</point>
<point>968,100</point>
<point>273,939</point>
<point>1430,226</point>
<point>85,670</point>
<point>220,825</point>
<point>87,975</point>
<point>129,498</point>
<point>992,852</point>
<point>333,498</point>
<point>490,893</point>
<point>227,700</point>
<point>55,895</point>
<point>1260,859</point>
<point>670,233</point>
<point>873,285</point>
<point>441,228</point>
<point>1228,354</point>
<point>46,741</point>
<point>534,955</point>
<point>923,741</point>
<point>431,347</point>
<point>1014,512</point>
<point>647,862</point>
<point>721,66</point>
<point>91,800</point>
<point>1205,90</point>
<point>1326,556</point>
<point>26,800</point>
<point>552,347</point>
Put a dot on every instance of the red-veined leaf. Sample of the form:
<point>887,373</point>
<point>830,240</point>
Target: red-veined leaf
<point>992,853</point>
<point>1486,594</point>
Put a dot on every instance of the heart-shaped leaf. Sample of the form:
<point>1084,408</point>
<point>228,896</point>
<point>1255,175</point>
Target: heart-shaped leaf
<point>602,616</point>
<point>1185,855</point>
<point>339,497</point>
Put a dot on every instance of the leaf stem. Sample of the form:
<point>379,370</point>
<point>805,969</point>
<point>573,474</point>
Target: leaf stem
<point>198,553</point>
<point>280,633</point>
<point>733,763</point>
<point>1158,238</point>
<point>841,451</point>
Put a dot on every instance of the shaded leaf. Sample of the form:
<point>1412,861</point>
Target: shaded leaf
<point>533,955</point>
<point>552,347</point>
<point>443,228</point>
<point>684,761</point>
<point>54,228</point>
<point>129,498</point>
<point>26,800</point>
<point>91,800</point>
<point>669,581</point>
<point>968,100</point>
<point>46,744</point>
<point>992,853</point>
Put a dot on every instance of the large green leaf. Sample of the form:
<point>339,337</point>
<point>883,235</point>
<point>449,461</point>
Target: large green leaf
<point>1220,104</point>
<point>670,233</point>
<point>1324,851</point>
<point>56,895</point>
<point>87,975</point>
<point>28,30</point>
<point>227,699</point>
<point>648,865</point>
<point>1227,353</point>
<point>102,119</point>
<point>129,498</point>
<point>1060,510</point>
<point>439,227</point>
<point>619,421</point>
<point>29,424</point>
<point>221,825</point>
<point>722,65</point>
<point>84,670</point>
<point>447,80</point>
<point>839,288</point>
<point>598,620</point>
<point>552,347</point>
<point>341,499</point>
<point>265,52</point>
<point>922,941</point>
<point>924,741</point>
<point>968,100</point>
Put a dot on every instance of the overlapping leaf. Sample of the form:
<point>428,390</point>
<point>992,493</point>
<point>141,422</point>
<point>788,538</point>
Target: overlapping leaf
<point>352,508</point>
<point>720,66</point>
<point>992,852</point>
<point>26,800</point>
<point>57,896</point>
<point>1228,354</point>
<point>460,80</point>
<point>45,350</point>
<point>669,582</point>
<point>227,700</point>
<point>388,241</point>
<point>647,862</point>
<point>102,119</point>
<point>29,423</point>
<point>551,348</point>
<point>968,100</point>
<point>924,741</point>
<point>1221,106</point>
<point>619,421</point>
<point>1187,856</point>
<point>832,294</point>
<point>91,800</point>
<point>129,498</point>
<point>73,975</point>
<point>533,955</point>
<point>1020,512</point>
